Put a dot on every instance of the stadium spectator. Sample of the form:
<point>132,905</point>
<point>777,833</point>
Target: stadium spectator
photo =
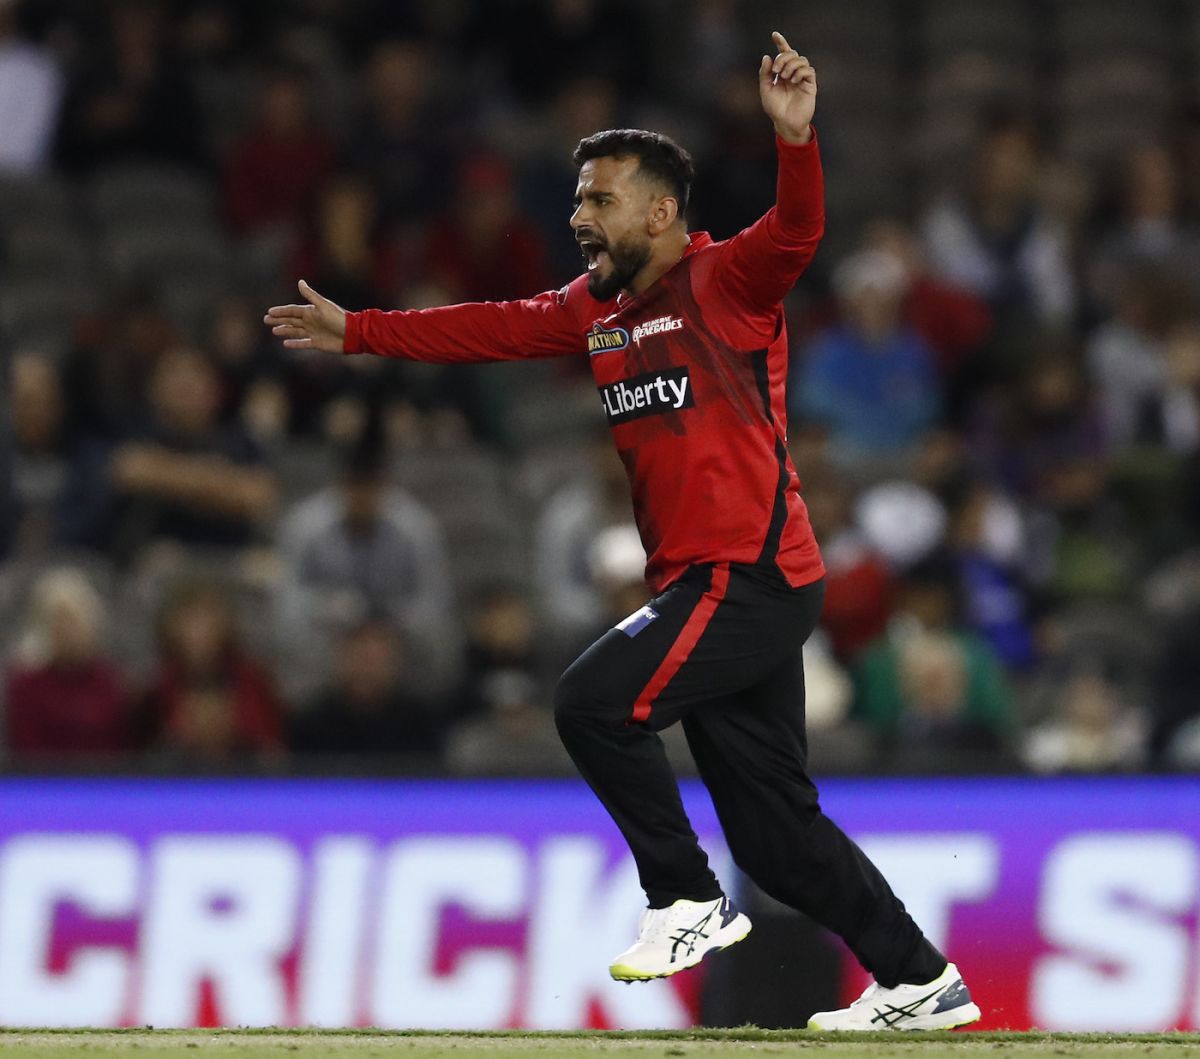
<point>369,708</point>
<point>58,481</point>
<point>997,240</point>
<point>835,740</point>
<point>1174,736</point>
<point>1144,222</point>
<point>986,543</point>
<point>902,520</point>
<point>107,372</point>
<point>1149,383</point>
<point>1082,438</point>
<point>1182,439</point>
<point>1092,730</point>
<point>870,378</point>
<point>314,394</point>
<point>1186,140</point>
<point>64,697</point>
<point>954,321</point>
<point>1127,356</point>
<point>253,393</point>
<point>930,684</point>
<point>715,42</point>
<point>184,477</point>
<point>582,104</point>
<point>736,178</point>
<point>440,405</point>
<point>273,172</point>
<point>1042,437</point>
<point>502,641</point>
<point>209,701</point>
<point>570,520</point>
<point>31,87</point>
<point>398,143</point>
<point>342,248</point>
<point>40,454</point>
<point>483,248</point>
<point>1044,444</point>
<point>545,42</point>
<point>365,547</point>
<point>131,99</point>
<point>514,735</point>
<point>8,504</point>
<point>858,583</point>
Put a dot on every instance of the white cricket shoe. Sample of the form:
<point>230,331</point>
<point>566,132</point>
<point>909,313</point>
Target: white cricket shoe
<point>938,1005</point>
<point>673,939</point>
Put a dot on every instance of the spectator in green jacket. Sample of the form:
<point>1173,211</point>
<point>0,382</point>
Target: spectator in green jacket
<point>929,683</point>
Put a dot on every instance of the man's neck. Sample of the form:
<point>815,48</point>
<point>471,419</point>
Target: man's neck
<point>665,256</point>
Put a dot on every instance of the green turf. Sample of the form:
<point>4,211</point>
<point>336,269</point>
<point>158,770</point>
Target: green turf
<point>294,1044</point>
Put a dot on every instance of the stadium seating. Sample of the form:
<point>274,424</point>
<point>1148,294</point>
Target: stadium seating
<point>35,198</point>
<point>39,313</point>
<point>130,195</point>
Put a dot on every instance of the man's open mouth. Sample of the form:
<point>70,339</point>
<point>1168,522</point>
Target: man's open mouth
<point>592,252</point>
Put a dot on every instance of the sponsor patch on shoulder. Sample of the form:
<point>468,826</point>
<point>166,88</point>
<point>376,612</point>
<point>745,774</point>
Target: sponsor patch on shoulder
<point>637,621</point>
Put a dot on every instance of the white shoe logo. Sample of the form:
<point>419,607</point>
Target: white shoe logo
<point>892,1014</point>
<point>688,935</point>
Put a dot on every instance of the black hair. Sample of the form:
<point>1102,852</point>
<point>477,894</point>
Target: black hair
<point>365,461</point>
<point>658,156</point>
<point>935,570</point>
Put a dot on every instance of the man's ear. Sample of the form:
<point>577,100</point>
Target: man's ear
<point>664,212</point>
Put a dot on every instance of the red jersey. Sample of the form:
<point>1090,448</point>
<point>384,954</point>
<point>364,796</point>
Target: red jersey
<point>691,375</point>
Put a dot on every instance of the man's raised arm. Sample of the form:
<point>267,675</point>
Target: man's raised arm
<point>763,262</point>
<point>545,326</point>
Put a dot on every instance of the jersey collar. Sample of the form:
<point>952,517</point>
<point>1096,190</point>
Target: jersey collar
<point>696,241</point>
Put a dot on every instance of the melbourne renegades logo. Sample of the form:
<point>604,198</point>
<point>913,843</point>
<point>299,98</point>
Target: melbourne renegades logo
<point>659,325</point>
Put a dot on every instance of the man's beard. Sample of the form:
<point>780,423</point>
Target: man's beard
<point>628,259</point>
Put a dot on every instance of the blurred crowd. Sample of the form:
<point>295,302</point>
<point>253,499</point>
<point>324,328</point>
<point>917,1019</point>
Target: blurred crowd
<point>215,553</point>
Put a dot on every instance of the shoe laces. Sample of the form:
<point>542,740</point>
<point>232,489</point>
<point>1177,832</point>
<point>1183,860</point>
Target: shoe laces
<point>867,995</point>
<point>655,923</point>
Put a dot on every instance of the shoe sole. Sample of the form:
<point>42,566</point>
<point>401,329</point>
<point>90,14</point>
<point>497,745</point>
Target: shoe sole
<point>943,1020</point>
<point>620,972</point>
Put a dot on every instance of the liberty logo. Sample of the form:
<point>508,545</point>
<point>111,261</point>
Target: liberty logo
<point>601,340</point>
<point>647,395</point>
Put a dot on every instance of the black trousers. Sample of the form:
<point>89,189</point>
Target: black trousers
<point>719,651</point>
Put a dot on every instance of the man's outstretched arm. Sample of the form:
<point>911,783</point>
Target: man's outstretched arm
<point>763,262</point>
<point>545,326</point>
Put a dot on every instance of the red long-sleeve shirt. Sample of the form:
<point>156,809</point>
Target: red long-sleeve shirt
<point>691,374</point>
<point>77,710</point>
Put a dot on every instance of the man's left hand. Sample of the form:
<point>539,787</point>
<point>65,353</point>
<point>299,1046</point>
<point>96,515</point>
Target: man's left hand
<point>787,85</point>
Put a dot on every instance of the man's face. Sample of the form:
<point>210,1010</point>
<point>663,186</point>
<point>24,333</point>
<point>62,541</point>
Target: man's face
<point>362,498</point>
<point>612,208</point>
<point>37,406</point>
<point>185,392</point>
<point>369,664</point>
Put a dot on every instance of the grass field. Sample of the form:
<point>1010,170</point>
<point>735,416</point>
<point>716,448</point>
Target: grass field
<point>295,1044</point>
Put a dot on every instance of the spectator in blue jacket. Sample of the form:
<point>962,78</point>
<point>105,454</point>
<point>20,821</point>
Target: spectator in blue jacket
<point>870,378</point>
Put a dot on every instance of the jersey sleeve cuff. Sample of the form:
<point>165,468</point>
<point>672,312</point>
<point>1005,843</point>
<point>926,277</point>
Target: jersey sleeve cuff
<point>783,146</point>
<point>352,342</point>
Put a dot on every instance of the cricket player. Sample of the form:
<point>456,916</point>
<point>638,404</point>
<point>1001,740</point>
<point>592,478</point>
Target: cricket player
<point>687,342</point>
